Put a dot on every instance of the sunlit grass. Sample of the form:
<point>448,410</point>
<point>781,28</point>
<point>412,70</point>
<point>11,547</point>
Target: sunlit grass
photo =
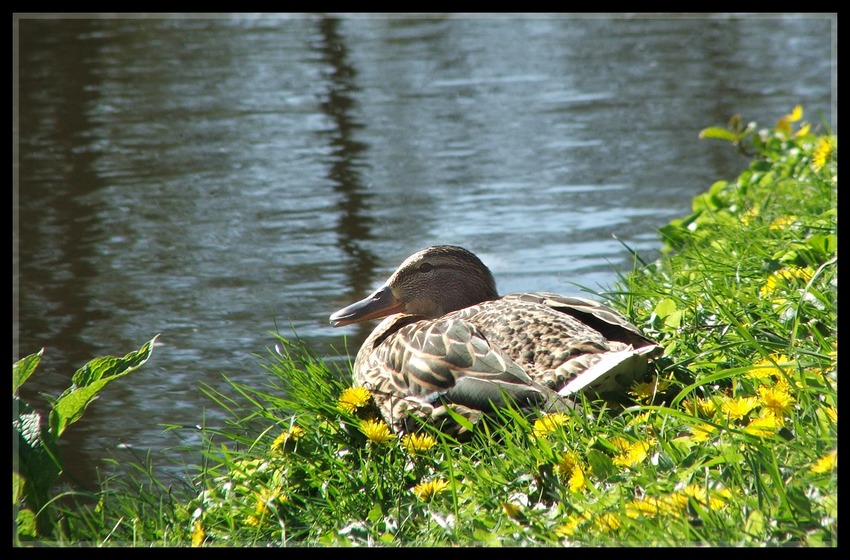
<point>733,443</point>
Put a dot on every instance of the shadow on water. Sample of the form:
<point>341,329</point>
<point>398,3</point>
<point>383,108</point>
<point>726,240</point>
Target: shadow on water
<point>56,214</point>
<point>355,223</point>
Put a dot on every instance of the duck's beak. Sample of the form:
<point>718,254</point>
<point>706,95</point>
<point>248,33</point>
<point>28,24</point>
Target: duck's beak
<point>380,304</point>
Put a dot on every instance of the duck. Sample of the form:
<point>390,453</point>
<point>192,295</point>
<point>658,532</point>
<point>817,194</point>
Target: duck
<point>448,344</point>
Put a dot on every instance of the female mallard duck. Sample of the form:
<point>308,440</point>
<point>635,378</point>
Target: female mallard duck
<point>450,340</point>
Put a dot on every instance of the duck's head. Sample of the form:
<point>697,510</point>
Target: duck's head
<point>430,283</point>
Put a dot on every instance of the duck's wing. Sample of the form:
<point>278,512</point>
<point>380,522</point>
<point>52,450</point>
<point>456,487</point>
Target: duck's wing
<point>449,360</point>
<point>609,323</point>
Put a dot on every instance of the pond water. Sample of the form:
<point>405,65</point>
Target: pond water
<point>213,179</point>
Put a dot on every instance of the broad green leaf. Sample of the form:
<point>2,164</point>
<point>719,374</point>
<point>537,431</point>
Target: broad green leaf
<point>375,513</point>
<point>717,133</point>
<point>825,244</point>
<point>89,381</point>
<point>600,463</point>
<point>674,319</point>
<point>18,483</point>
<point>26,524</point>
<point>110,366</point>
<point>23,368</point>
<point>665,307</point>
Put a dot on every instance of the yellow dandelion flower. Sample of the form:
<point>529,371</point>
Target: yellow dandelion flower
<point>713,500</point>
<point>549,423</point>
<point>418,443</point>
<point>608,522</point>
<point>426,491</point>
<point>701,407</point>
<point>634,454</point>
<point>292,435</point>
<point>265,499</point>
<point>764,426</point>
<point>570,468</point>
<point>376,431</point>
<point>353,398</point>
<point>770,367</point>
<point>832,414</point>
<point>651,507</point>
<point>252,520</point>
<point>620,443</point>
<point>747,216</point>
<point>512,510</point>
<point>784,126</point>
<point>198,534</point>
<point>827,463</point>
<point>782,222</point>
<point>645,390</point>
<point>639,419</point>
<point>569,528</point>
<point>776,398</point>
<point>577,480</point>
<point>823,151</point>
<point>785,277</point>
<point>645,507</point>
<point>702,432</point>
<point>803,130</point>
<point>739,407</point>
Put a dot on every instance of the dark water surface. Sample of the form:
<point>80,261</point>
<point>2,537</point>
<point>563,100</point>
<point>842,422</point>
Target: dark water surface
<point>206,178</point>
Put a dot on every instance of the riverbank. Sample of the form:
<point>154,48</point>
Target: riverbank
<point>733,443</point>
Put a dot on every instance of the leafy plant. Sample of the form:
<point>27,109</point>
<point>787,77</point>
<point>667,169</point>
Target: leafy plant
<point>39,462</point>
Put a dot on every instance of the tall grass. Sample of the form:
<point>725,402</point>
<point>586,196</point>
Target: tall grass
<point>733,443</point>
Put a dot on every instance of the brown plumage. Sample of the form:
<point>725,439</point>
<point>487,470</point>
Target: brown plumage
<point>450,340</point>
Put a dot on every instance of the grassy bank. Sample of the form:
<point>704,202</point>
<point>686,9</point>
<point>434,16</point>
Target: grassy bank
<point>734,442</point>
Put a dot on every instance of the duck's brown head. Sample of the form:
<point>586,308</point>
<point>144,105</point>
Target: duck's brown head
<point>430,283</point>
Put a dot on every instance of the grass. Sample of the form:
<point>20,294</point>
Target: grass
<point>733,443</point>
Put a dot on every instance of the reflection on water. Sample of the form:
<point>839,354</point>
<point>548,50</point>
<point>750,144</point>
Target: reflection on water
<point>209,179</point>
<point>353,208</point>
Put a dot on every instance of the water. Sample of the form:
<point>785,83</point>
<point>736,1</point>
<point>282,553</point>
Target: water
<point>208,179</point>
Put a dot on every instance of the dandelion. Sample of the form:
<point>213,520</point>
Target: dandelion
<point>765,425</point>
<point>739,407</point>
<point>832,414</point>
<point>570,468</point>
<point>782,222</point>
<point>770,367</point>
<point>426,491</point>
<point>785,277</point>
<point>292,435</point>
<point>702,432</point>
<point>650,507</point>
<point>353,398</point>
<point>645,390</point>
<point>265,498</point>
<point>823,151</point>
<point>198,534</point>
<point>747,216</point>
<point>633,455</point>
<point>700,406</point>
<point>549,423</point>
<point>825,464</point>
<point>376,431</point>
<point>620,443</point>
<point>569,528</point>
<point>418,443</point>
<point>776,398</point>
<point>512,510</point>
<point>714,500</point>
<point>608,522</point>
<point>783,125</point>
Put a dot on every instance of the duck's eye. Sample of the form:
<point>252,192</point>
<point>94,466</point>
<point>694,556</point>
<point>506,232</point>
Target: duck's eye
<point>426,267</point>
